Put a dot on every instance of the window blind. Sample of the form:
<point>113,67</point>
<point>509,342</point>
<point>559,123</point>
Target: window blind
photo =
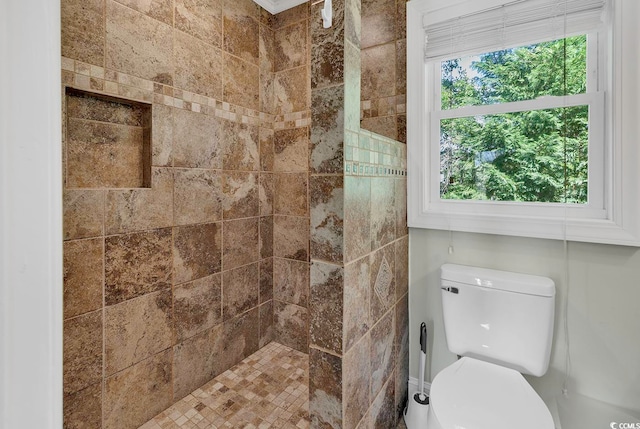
<point>512,24</point>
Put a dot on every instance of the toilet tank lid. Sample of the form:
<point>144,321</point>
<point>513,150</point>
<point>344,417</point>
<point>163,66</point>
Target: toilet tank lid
<point>499,280</point>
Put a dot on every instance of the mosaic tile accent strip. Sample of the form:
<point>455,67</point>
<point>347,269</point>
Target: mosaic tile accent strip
<point>369,154</point>
<point>110,82</point>
<point>292,120</point>
<point>269,389</point>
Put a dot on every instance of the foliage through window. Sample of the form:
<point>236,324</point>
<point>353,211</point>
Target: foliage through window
<point>513,126</point>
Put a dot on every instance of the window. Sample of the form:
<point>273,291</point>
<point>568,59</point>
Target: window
<point>515,118</point>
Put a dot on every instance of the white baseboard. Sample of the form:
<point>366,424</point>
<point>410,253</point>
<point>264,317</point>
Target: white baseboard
<point>413,386</point>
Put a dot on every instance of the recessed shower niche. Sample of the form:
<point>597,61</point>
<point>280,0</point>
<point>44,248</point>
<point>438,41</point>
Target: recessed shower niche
<point>108,141</point>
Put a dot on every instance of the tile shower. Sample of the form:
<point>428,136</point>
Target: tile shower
<point>220,195</point>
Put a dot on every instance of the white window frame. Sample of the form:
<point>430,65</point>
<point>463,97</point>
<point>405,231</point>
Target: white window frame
<point>613,213</point>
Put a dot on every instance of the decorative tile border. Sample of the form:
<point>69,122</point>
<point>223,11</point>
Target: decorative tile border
<point>292,120</point>
<point>369,154</point>
<point>110,82</point>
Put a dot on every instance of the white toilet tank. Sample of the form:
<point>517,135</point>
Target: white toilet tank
<point>498,316</point>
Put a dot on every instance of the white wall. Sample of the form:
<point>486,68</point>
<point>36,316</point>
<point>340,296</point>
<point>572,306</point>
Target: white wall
<point>603,313</point>
<point>30,216</point>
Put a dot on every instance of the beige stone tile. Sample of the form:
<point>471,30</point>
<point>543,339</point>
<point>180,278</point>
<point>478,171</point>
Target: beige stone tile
<point>325,389</point>
<point>383,125</point>
<point>198,196</point>
<point>197,140</point>
<point>357,217</point>
<point>266,49</point>
<point>266,149</point>
<point>197,251</point>
<point>241,29</point>
<point>378,22</point>
<point>83,409</point>
<point>241,198</point>
<point>241,82</point>
<point>266,323</point>
<point>241,150</point>
<point>382,285</point>
<point>291,90</point>
<point>156,9</point>
<point>356,299</point>
<point>290,47</point>
<point>240,242</point>
<point>401,66</point>
<point>401,389</point>
<point>241,337</point>
<point>383,213</point>
<point>267,100</point>
<point>326,195</point>
<point>136,264</point>
<point>402,327</point>
<point>200,18</point>
<point>378,71</point>
<point>291,194</point>
<point>83,276</point>
<point>82,26</point>
<point>266,236</point>
<point>141,209</point>
<point>197,306</point>
<point>290,16</point>
<point>191,367</point>
<point>83,213</point>
<point>266,192</point>
<point>198,66</point>
<point>382,411</point>
<point>85,106</point>
<point>381,352</point>
<point>291,325</point>
<point>291,237</point>
<point>402,266</point>
<point>133,396</point>
<point>82,356</point>
<point>291,281</point>
<point>326,306</point>
<point>355,379</point>
<point>291,150</point>
<point>138,45</point>
<point>162,136</point>
<point>327,130</point>
<point>240,288</point>
<point>137,329</point>
<point>266,280</point>
<point>327,48</point>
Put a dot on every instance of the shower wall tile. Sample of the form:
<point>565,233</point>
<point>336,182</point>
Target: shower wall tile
<point>327,130</point>
<point>240,146</point>
<point>290,47</point>
<point>266,193</point>
<point>140,209</point>
<point>83,213</point>
<point>291,194</point>
<point>241,29</point>
<point>383,125</point>
<point>241,196</point>
<point>162,139</point>
<point>291,324</point>
<point>290,16</point>
<point>267,95</point>
<point>382,284</point>
<point>241,337</point>
<point>378,71</point>
<point>96,109</point>
<point>197,196</point>
<point>241,82</point>
<point>240,242</point>
<point>197,140</point>
<point>128,31</point>
<point>357,217</point>
<point>197,306</point>
<point>266,280</point>
<point>356,375</point>
<point>83,409</point>
<point>402,266</point>
<point>198,66</point>
<point>157,9</point>
<point>326,195</point>
<point>82,364</point>
<point>267,333</point>
<point>383,213</point>
<point>137,329</point>
<point>382,352</point>
<point>291,150</point>
<point>83,276</point>
<point>326,306</point>
<point>196,361</point>
<point>83,30</point>
<point>401,122</point>
<point>291,281</point>
<point>266,50</point>
<point>266,149</point>
<point>402,327</point>
<point>291,90</point>
<point>375,14</point>
<point>401,389</point>
<point>325,390</point>
<point>137,264</point>
<point>401,19</point>
<point>266,236</point>
<point>197,251</point>
<point>327,53</point>
<point>353,22</point>
<point>291,237</point>
<point>240,290</point>
<point>133,396</point>
<point>401,66</point>
<point>400,196</point>
<point>356,299</point>
<point>382,412</point>
<point>201,19</point>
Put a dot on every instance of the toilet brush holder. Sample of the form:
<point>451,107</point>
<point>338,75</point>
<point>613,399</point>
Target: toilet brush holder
<point>415,415</point>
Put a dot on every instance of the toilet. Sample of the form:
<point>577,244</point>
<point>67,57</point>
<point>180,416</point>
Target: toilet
<point>500,324</point>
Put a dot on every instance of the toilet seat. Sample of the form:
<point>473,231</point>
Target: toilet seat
<point>473,394</point>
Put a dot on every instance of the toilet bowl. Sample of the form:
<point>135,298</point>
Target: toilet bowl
<point>473,394</point>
